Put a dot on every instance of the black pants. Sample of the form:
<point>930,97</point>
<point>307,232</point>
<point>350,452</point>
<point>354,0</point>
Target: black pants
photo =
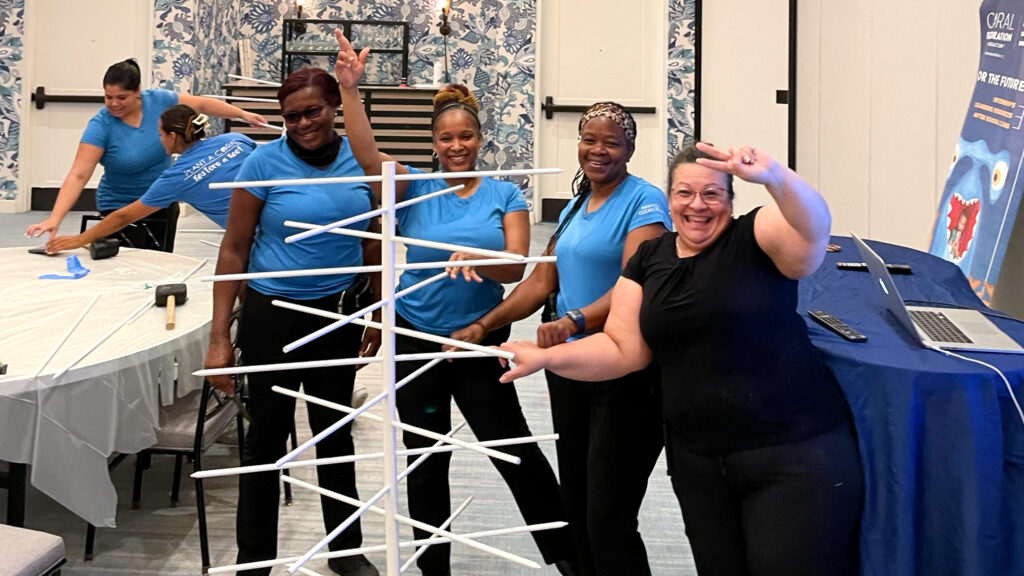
<point>263,330</point>
<point>790,510</point>
<point>610,437</point>
<point>493,412</point>
<point>154,232</point>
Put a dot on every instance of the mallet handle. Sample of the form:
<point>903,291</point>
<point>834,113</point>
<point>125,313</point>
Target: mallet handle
<point>170,312</point>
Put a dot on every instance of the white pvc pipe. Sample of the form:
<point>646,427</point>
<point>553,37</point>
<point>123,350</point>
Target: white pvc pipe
<point>257,80</point>
<point>208,243</point>
<point>396,424</point>
<point>339,362</point>
<point>103,339</point>
<point>420,242</point>
<point>313,230</point>
<point>358,513</point>
<point>435,539</point>
<point>64,338</point>
<point>359,314</point>
<point>240,98</point>
<point>220,472</point>
<point>378,178</point>
<point>417,524</point>
<point>382,547</point>
<point>201,230</point>
<point>487,350</point>
<point>370,269</point>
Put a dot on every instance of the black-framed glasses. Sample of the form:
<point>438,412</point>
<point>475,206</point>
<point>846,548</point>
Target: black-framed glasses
<point>711,196</point>
<point>309,114</point>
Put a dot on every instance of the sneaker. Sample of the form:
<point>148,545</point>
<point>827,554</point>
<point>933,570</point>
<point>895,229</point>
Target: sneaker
<point>359,396</point>
<point>352,566</point>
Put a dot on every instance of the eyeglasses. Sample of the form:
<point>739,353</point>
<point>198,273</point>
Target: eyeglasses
<point>711,197</point>
<point>308,113</point>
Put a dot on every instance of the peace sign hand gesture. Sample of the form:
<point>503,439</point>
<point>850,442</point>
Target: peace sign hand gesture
<point>746,162</point>
<point>349,66</point>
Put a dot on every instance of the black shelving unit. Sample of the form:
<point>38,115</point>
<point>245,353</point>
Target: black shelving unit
<point>311,38</point>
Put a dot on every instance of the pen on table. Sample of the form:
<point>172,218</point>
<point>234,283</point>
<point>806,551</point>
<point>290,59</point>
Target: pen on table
<point>893,268</point>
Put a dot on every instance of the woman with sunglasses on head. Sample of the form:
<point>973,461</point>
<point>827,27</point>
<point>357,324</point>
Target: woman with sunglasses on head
<point>610,432</point>
<point>485,213</point>
<point>124,138</point>
<point>254,242</point>
<point>201,161</point>
<point>760,442</point>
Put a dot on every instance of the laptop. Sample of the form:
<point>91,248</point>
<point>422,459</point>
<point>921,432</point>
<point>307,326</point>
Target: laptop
<point>946,328</point>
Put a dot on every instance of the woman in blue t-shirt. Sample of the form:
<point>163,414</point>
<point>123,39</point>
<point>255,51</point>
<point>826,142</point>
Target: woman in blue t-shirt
<point>609,433</point>
<point>254,242</point>
<point>123,138</point>
<point>485,213</point>
<point>200,162</point>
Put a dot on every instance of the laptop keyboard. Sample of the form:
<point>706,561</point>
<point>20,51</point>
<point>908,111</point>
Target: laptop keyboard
<point>938,327</point>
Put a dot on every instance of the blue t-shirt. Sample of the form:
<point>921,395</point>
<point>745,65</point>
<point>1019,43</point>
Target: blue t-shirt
<point>449,305</point>
<point>133,158</point>
<point>216,159</point>
<point>314,204</point>
<point>590,248</point>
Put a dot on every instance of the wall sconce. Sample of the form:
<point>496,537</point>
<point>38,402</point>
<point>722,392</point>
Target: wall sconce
<point>445,29</point>
<point>299,27</point>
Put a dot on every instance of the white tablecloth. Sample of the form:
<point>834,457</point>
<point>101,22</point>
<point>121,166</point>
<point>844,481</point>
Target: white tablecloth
<point>66,429</point>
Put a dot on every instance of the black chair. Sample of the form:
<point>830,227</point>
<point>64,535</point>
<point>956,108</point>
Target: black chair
<point>154,232</point>
<point>187,428</point>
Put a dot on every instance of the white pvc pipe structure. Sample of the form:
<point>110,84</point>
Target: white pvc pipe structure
<point>390,452</point>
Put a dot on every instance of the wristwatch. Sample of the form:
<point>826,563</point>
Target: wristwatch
<point>576,316</point>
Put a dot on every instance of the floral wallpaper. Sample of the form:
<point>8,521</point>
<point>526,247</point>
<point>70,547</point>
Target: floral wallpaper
<point>12,28</point>
<point>680,72</point>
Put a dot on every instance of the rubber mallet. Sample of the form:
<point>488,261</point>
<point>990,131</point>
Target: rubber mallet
<point>103,248</point>
<point>169,296</point>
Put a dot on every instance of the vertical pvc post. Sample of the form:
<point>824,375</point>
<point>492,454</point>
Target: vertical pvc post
<point>387,350</point>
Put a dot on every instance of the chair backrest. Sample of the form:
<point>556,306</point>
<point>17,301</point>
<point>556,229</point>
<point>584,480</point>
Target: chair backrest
<point>195,421</point>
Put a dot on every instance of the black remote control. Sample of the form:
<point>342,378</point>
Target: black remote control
<point>836,325</point>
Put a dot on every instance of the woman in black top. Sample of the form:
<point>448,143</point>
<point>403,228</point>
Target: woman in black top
<point>760,441</point>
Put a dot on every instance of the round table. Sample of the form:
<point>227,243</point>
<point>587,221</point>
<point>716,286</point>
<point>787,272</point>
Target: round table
<point>66,428</point>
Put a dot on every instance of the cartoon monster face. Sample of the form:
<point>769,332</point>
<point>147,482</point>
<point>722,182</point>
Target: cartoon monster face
<point>975,183</point>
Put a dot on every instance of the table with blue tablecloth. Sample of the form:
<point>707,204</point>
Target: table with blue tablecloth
<point>940,438</point>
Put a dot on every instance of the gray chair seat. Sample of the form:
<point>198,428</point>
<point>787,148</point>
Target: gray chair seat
<point>28,552</point>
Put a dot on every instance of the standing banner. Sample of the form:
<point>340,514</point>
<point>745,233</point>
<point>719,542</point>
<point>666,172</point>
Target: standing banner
<point>981,198</point>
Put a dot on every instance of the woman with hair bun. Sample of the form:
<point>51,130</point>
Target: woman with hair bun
<point>201,161</point>
<point>485,213</point>
<point>124,138</point>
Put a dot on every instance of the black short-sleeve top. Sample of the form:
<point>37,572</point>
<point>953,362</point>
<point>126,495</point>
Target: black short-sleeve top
<point>738,368</point>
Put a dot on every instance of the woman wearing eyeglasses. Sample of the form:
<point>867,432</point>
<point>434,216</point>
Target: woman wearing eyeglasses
<point>759,439</point>
<point>254,242</point>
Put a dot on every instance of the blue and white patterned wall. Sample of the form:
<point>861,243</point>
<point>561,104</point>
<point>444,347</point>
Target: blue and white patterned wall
<point>491,49</point>
<point>12,29</point>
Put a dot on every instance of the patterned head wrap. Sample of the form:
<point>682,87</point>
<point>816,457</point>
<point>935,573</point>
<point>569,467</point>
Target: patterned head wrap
<point>617,114</point>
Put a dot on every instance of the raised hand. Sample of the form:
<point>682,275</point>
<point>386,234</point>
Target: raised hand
<point>349,66</point>
<point>746,162</point>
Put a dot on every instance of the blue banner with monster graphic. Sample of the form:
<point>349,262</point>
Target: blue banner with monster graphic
<point>981,198</point>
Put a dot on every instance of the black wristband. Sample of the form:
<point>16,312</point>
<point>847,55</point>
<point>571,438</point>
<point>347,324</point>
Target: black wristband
<point>581,321</point>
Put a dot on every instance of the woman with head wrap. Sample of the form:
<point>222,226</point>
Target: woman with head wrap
<point>610,433</point>
<point>485,213</point>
